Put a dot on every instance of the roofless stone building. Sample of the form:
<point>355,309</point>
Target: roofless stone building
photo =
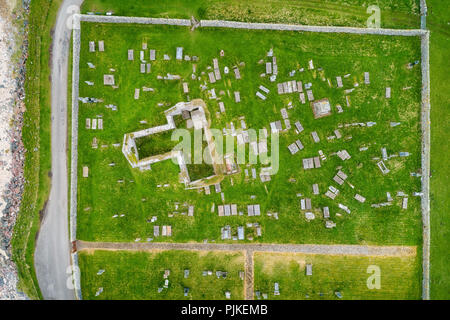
<point>198,114</point>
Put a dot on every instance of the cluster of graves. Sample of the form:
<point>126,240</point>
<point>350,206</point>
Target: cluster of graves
<point>270,65</point>
<point>385,157</point>
<point>166,282</point>
<point>214,75</point>
<point>277,290</point>
<point>227,210</point>
<point>210,77</point>
<point>101,46</point>
<point>322,108</point>
<point>306,207</point>
<point>311,163</point>
<point>151,54</point>
<point>194,112</point>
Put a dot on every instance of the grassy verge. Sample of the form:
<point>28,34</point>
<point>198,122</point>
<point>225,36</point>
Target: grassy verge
<point>437,22</point>
<point>399,277</point>
<point>138,275</point>
<point>394,14</point>
<point>36,138</point>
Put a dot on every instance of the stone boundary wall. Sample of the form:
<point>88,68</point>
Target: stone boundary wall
<point>426,128</point>
<point>291,27</point>
<point>76,38</point>
<point>138,20</point>
<point>425,112</point>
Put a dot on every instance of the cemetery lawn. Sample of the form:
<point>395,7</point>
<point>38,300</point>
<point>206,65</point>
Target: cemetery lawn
<point>138,275</point>
<point>400,277</point>
<point>139,198</point>
<point>394,14</point>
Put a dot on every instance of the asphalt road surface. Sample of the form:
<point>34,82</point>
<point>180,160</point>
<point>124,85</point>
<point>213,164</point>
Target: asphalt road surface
<point>52,255</point>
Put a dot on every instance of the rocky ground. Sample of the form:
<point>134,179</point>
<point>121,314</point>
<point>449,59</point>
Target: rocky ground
<point>13,51</point>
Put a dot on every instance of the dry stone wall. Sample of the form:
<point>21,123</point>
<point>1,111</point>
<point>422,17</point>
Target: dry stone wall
<point>138,20</point>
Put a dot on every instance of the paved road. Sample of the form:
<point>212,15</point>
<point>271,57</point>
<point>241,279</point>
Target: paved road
<point>52,255</point>
<point>356,250</point>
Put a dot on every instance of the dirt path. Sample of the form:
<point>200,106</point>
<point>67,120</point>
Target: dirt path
<point>352,250</point>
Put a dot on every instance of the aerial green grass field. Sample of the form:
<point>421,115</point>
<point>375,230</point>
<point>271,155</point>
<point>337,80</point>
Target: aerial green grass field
<point>141,195</point>
<point>138,275</point>
<point>399,277</point>
<point>394,14</point>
